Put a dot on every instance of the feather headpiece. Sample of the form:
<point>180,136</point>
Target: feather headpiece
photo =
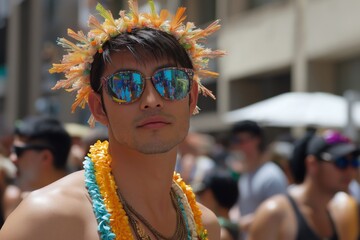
<point>76,64</point>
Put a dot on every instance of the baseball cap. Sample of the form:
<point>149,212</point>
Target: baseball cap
<point>331,145</point>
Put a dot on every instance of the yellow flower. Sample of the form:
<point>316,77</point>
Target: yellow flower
<point>119,221</point>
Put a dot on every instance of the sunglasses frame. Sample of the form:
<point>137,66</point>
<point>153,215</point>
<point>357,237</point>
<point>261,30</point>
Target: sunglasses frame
<point>349,162</point>
<point>105,80</point>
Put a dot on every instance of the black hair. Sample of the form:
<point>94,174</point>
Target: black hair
<point>50,132</point>
<point>223,186</point>
<point>141,42</point>
<point>251,127</point>
<point>297,159</point>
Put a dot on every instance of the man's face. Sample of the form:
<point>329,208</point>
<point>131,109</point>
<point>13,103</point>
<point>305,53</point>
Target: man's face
<point>151,124</point>
<point>335,179</point>
<point>29,164</point>
<point>246,143</point>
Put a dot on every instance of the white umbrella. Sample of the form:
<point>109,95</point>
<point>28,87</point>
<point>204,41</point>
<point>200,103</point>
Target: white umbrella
<point>298,109</point>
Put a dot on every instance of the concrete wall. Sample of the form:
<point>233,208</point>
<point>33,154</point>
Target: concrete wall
<point>263,40</point>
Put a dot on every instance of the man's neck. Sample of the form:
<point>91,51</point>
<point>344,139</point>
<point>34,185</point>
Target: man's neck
<point>254,162</point>
<point>222,212</point>
<point>145,180</point>
<point>314,196</point>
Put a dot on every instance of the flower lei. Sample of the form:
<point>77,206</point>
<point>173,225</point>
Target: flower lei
<point>76,64</point>
<point>113,222</point>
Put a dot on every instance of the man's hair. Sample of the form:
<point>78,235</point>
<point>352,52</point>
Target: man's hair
<point>223,186</point>
<point>145,42</point>
<point>252,128</point>
<point>50,132</point>
<point>297,160</point>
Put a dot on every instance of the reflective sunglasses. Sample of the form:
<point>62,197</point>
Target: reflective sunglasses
<point>20,150</point>
<point>127,86</point>
<point>345,162</point>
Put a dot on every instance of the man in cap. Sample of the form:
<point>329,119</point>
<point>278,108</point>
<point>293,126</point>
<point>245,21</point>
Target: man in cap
<point>323,165</point>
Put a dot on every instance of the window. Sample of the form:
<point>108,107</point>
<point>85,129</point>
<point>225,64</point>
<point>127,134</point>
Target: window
<point>250,90</point>
<point>200,11</point>
<point>258,3</point>
<point>348,72</point>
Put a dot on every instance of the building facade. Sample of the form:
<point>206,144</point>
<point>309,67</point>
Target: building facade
<point>274,46</point>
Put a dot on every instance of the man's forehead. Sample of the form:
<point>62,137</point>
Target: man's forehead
<point>127,61</point>
<point>245,134</point>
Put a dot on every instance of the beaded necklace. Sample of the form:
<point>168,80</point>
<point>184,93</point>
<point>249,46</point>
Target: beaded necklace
<point>113,222</point>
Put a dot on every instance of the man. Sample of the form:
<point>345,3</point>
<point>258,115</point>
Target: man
<point>329,161</point>
<point>40,151</point>
<point>143,89</point>
<point>7,173</point>
<point>259,178</point>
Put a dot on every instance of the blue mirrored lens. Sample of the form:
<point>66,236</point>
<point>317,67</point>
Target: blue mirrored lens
<point>344,162</point>
<point>125,87</point>
<point>355,163</point>
<point>172,84</point>
<point>341,163</point>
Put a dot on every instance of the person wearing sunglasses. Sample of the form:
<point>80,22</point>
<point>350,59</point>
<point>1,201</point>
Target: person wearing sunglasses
<point>40,150</point>
<point>140,76</point>
<point>317,207</point>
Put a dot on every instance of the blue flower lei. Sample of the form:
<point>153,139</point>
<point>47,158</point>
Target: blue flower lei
<point>101,214</point>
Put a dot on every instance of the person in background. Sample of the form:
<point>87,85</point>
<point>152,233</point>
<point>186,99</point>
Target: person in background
<point>40,152</point>
<point>219,192</point>
<point>354,188</point>
<point>82,138</point>
<point>280,153</point>
<point>260,178</point>
<point>194,161</point>
<point>324,164</point>
<point>7,175</point>
<point>76,156</point>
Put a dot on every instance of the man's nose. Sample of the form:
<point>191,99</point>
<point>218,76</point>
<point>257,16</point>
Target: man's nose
<point>150,97</point>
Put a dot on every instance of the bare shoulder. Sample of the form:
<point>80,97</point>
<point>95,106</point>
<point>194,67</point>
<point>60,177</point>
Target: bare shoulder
<point>344,210</point>
<point>57,211</point>
<point>12,198</point>
<point>275,206</point>
<point>210,222</point>
<point>269,217</point>
<point>343,202</point>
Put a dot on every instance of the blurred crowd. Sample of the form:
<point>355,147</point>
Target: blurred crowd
<point>306,188</point>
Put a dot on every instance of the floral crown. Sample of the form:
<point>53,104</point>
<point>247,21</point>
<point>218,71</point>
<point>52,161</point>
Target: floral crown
<point>76,64</point>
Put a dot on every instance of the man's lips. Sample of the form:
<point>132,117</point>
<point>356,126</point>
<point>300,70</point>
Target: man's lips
<point>153,122</point>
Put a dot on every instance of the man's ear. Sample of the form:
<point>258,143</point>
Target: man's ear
<point>48,157</point>
<point>194,93</point>
<point>311,165</point>
<point>96,108</point>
